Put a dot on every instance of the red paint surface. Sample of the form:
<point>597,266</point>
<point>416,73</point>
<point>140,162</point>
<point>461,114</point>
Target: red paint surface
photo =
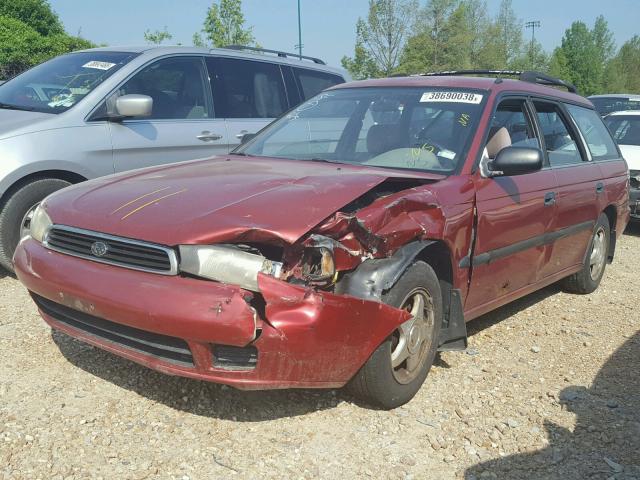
<point>308,339</point>
<point>312,338</point>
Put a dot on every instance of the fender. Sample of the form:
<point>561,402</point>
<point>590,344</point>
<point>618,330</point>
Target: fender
<point>375,276</point>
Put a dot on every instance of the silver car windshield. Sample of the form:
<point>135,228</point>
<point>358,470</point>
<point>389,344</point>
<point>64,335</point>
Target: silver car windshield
<point>57,85</point>
<point>411,128</point>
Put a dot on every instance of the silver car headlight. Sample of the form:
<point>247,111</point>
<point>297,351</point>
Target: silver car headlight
<point>227,264</point>
<point>40,222</point>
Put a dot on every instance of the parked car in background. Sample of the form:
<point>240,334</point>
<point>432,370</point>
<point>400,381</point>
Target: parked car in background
<point>625,127</point>
<point>106,110</point>
<point>615,102</point>
<point>346,242</point>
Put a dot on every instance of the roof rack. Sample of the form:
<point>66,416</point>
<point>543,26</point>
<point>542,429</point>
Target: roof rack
<point>276,52</point>
<point>525,76</point>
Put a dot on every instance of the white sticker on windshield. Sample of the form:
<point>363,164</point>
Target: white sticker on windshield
<point>99,65</point>
<point>451,97</point>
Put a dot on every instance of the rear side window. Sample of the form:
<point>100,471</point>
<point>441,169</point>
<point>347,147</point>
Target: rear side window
<point>246,88</point>
<point>625,128</point>
<point>594,132</point>
<point>560,142</point>
<point>313,82</point>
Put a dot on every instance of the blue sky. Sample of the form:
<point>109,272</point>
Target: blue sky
<point>328,25</point>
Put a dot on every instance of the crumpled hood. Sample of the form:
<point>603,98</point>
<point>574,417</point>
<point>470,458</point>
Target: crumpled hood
<point>218,200</point>
<point>17,122</point>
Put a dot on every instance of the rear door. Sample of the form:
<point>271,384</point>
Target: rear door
<point>248,94</point>
<point>182,125</point>
<point>579,185</point>
<point>514,214</point>
<point>604,152</point>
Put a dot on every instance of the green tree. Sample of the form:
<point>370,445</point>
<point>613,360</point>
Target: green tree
<point>37,14</point>
<point>380,39</point>
<point>509,35</point>
<point>30,33</point>
<point>158,36</point>
<point>533,57</point>
<point>445,38</point>
<point>224,25</point>
<point>583,56</point>
<point>622,73</point>
<point>361,65</point>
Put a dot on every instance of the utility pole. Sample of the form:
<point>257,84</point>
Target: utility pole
<point>299,45</point>
<point>532,25</point>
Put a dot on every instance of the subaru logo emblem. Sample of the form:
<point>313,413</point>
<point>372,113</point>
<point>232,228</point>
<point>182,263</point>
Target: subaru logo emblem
<point>99,249</point>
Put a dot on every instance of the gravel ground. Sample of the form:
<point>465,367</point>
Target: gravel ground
<point>549,388</point>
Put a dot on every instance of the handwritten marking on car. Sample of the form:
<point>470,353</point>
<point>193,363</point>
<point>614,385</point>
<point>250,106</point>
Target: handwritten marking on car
<point>152,202</point>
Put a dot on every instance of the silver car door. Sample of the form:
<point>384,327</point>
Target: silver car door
<point>249,94</point>
<point>182,125</point>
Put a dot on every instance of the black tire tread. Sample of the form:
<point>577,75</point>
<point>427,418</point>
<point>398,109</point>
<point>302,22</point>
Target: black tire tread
<point>22,198</point>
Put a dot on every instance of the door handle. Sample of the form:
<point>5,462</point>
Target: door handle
<point>549,199</point>
<point>599,187</point>
<point>241,134</point>
<point>207,136</point>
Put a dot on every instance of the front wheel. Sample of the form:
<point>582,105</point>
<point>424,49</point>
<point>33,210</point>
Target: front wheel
<point>16,213</point>
<point>588,278</point>
<point>399,366</point>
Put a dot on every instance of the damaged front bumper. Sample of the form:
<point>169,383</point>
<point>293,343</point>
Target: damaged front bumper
<point>288,336</point>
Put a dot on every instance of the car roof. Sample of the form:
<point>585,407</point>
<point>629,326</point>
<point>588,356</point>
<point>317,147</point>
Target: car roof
<point>616,95</point>
<point>625,112</point>
<point>161,50</point>
<point>483,83</point>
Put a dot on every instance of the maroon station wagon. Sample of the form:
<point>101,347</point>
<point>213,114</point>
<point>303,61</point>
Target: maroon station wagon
<point>344,244</point>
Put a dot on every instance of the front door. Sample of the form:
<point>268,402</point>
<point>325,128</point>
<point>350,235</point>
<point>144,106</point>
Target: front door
<point>182,125</point>
<point>513,213</point>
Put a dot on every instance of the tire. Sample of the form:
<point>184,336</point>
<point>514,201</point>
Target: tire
<point>14,210</point>
<point>588,278</point>
<point>378,381</point>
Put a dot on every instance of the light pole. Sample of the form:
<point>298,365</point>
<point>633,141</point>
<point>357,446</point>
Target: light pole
<point>532,25</point>
<point>299,45</point>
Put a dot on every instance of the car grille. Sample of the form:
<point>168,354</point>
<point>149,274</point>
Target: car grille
<point>169,349</point>
<point>119,251</point>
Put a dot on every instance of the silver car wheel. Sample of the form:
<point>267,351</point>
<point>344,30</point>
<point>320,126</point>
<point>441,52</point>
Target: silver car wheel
<point>598,256</point>
<point>412,340</point>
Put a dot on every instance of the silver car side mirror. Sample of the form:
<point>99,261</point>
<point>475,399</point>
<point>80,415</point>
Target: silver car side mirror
<point>134,105</point>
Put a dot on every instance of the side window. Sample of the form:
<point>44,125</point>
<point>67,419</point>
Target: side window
<point>510,125</point>
<point>246,88</point>
<point>594,132</point>
<point>313,82</point>
<point>561,145</point>
<point>625,129</point>
<point>177,86</point>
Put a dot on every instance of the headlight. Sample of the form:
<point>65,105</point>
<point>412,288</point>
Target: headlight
<point>319,265</point>
<point>227,264</point>
<point>39,224</point>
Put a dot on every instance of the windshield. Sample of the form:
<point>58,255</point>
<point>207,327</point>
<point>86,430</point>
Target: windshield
<point>606,105</point>
<point>57,85</point>
<point>624,128</point>
<point>410,128</point>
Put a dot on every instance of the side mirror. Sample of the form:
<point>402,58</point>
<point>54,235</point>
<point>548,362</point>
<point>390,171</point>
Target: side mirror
<point>516,161</point>
<point>134,105</point>
<point>246,137</point>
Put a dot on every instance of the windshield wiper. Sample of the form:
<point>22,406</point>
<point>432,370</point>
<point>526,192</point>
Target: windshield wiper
<point>240,154</point>
<point>325,160</point>
<point>7,106</point>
